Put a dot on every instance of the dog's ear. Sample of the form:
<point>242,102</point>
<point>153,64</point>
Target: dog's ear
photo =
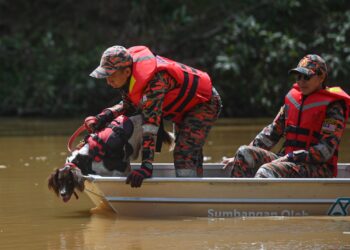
<point>78,180</point>
<point>52,181</point>
<point>80,184</point>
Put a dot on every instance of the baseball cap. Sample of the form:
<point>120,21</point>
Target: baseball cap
<point>310,65</point>
<point>113,58</point>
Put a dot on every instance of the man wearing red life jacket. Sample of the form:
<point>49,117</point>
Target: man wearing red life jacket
<point>160,88</point>
<point>312,121</point>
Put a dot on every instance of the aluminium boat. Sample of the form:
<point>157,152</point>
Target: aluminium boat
<point>216,195</point>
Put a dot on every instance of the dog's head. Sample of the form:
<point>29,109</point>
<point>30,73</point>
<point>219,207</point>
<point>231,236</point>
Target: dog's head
<point>65,180</point>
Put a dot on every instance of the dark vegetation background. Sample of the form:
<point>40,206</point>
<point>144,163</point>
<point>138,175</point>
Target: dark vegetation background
<point>49,47</point>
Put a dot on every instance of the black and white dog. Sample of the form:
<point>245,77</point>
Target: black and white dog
<point>107,153</point>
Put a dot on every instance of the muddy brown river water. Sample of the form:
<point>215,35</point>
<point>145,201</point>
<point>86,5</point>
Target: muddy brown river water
<point>31,217</point>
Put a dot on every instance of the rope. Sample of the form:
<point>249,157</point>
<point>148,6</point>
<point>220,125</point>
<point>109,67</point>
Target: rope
<point>74,136</point>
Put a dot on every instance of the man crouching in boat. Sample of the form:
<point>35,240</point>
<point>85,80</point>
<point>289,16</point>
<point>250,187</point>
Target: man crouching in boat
<point>161,88</point>
<point>312,120</point>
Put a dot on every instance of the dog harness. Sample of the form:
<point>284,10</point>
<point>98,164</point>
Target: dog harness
<point>111,145</point>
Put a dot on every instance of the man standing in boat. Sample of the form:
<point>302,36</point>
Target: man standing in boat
<point>160,88</point>
<point>312,121</point>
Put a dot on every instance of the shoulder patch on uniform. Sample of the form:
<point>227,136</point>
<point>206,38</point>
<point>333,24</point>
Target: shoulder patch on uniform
<point>144,98</point>
<point>329,125</point>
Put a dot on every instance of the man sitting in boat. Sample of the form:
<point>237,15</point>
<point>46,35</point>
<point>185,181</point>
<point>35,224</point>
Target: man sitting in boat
<point>312,121</point>
<point>160,88</point>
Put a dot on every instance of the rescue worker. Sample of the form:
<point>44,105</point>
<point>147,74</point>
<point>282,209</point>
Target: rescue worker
<point>312,121</point>
<point>160,88</point>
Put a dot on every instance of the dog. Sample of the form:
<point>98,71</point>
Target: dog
<point>107,152</point>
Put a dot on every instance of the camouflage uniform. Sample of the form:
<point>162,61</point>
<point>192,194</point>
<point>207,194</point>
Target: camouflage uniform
<point>256,160</point>
<point>194,125</point>
<point>190,134</point>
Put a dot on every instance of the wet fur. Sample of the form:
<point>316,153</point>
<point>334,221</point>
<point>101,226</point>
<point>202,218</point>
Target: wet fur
<point>66,180</point>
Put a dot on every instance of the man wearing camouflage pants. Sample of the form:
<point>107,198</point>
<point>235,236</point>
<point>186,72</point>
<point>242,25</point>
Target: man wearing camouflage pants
<point>312,121</point>
<point>160,88</point>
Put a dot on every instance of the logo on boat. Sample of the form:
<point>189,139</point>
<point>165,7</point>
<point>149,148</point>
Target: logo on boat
<point>212,213</point>
<point>340,207</point>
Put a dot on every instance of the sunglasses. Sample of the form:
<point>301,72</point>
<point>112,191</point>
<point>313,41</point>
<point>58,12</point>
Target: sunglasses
<point>301,76</point>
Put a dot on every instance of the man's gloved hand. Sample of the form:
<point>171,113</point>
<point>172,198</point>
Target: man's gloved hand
<point>136,177</point>
<point>228,162</point>
<point>96,123</point>
<point>285,158</point>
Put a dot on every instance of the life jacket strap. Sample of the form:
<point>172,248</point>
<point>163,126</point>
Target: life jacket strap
<point>295,143</point>
<point>301,131</point>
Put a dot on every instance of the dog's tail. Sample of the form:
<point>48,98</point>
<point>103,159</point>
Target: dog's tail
<point>169,138</point>
<point>164,136</point>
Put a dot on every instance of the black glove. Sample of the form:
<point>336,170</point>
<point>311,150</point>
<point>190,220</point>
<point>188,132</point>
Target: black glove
<point>136,177</point>
<point>96,123</point>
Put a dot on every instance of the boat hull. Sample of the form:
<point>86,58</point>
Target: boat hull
<point>221,196</point>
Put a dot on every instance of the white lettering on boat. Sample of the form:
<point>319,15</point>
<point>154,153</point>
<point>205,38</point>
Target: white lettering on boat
<point>212,213</point>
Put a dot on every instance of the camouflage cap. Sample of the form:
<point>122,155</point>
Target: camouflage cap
<point>310,65</point>
<point>113,58</point>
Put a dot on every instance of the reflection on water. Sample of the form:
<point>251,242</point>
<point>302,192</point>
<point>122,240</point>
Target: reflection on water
<point>31,217</point>
<point>199,233</point>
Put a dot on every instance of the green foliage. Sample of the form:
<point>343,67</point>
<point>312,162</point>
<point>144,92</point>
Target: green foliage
<point>257,52</point>
<point>49,47</point>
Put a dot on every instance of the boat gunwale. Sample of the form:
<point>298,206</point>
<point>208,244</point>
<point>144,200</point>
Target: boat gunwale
<point>167,166</point>
<point>219,200</point>
<point>95,178</point>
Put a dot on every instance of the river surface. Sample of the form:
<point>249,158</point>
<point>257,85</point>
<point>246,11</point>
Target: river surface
<point>32,217</point>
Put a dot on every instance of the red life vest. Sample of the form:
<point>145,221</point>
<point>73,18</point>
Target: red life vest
<point>194,86</point>
<point>305,116</point>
